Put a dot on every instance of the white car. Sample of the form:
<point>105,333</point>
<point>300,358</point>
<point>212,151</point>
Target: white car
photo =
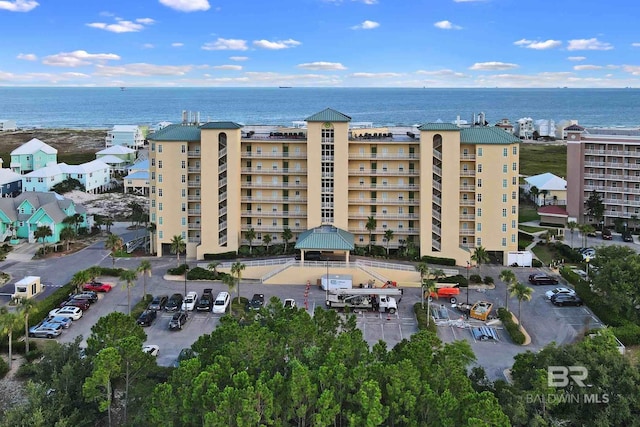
<point>556,291</point>
<point>74,313</point>
<point>151,349</point>
<point>221,302</point>
<point>190,301</point>
<point>289,303</point>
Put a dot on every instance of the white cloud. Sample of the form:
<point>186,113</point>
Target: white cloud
<point>442,73</point>
<point>366,25</point>
<point>226,44</point>
<point>537,45</point>
<point>228,67</point>
<point>577,58</point>
<point>284,44</point>
<point>77,58</point>
<point>123,26</point>
<point>142,70</point>
<point>633,69</point>
<point>446,25</point>
<point>374,75</point>
<point>323,66</point>
<point>588,44</point>
<point>587,67</point>
<point>27,56</point>
<point>238,58</point>
<point>18,5</point>
<point>148,46</point>
<point>187,5</point>
<point>635,44</point>
<point>75,75</point>
<point>493,66</point>
<point>177,44</point>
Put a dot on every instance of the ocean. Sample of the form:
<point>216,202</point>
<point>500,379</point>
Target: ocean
<point>101,108</point>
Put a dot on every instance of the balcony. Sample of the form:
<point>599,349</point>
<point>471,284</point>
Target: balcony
<point>195,169</point>
<point>467,173</point>
<point>466,232</point>
<point>280,185</point>
<point>193,197</point>
<point>437,200</point>
<point>436,215</point>
<point>222,226</point>
<point>467,202</point>
<point>194,226</point>
<point>383,156</point>
<point>466,157</point>
<point>436,229</point>
<point>618,153</point>
<point>364,186</point>
<point>193,154</point>
<point>469,188</point>
<point>272,214</point>
<point>194,212</point>
<point>383,172</point>
<point>194,184</point>
<point>272,228</point>
<point>467,217</point>
<point>281,199</point>
<point>435,244</point>
<point>403,201</point>
<point>437,170</point>
<point>277,155</point>
<point>437,154</point>
<point>277,171</point>
<point>382,216</point>
<point>194,240</point>
<point>437,185</point>
<point>222,153</point>
<point>380,230</point>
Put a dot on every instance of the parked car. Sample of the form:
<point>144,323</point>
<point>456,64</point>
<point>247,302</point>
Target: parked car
<point>64,321</point>
<point>74,313</point>
<point>627,236</point>
<point>205,303</point>
<point>147,317</point>
<point>542,279</point>
<point>83,304</point>
<point>174,303</point>
<point>158,302</point>
<point>557,291</point>
<point>310,256</point>
<point>289,303</point>
<point>90,296</point>
<point>256,302</point>
<point>566,299</point>
<point>185,353</point>
<point>221,302</point>
<point>97,286</point>
<point>606,234</point>
<point>190,301</point>
<point>151,349</point>
<point>178,320</point>
<point>46,330</point>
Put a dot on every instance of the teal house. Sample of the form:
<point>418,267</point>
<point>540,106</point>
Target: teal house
<point>21,216</point>
<point>31,156</point>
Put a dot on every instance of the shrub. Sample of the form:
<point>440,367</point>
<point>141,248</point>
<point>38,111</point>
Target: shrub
<point>536,263</point>
<point>438,261</point>
<point>4,367</point>
<point>177,271</point>
<point>475,278</point>
<point>199,273</point>
<point>421,318</point>
<point>458,278</point>
<point>512,328</point>
<point>628,334</point>
<point>112,272</point>
<point>34,353</point>
<point>141,306</point>
<point>569,255</point>
<point>488,280</point>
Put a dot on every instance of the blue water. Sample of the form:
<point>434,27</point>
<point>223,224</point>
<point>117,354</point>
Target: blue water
<point>103,107</point>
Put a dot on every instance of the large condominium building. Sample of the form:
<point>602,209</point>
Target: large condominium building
<point>444,188</point>
<point>608,164</point>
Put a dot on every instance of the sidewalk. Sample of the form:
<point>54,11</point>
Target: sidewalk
<point>23,251</point>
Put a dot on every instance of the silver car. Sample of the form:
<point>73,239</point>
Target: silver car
<point>46,330</point>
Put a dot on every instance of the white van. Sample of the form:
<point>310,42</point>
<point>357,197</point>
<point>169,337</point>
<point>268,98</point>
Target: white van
<point>221,302</point>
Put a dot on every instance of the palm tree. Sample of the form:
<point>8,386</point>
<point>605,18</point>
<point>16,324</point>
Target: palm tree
<point>572,225</point>
<point>508,277</point>
<point>42,232</point>
<point>67,235</point>
<point>388,235</point>
<point>108,222</point>
<point>129,277</point>
<point>523,293</point>
<point>267,241</point>
<point>544,196</point>
<point>423,269</point>
<point>152,233</point>
<point>429,286</point>
<point>145,269</point>
<point>533,191</point>
<point>80,278</point>
<point>286,236</point>
<point>114,244</point>
<point>236,270</point>
<point>213,266</point>
<point>250,234</point>
<point>230,281</point>
<point>94,272</point>
<point>178,245</point>
<point>370,226</point>
<point>8,321</point>
<point>480,256</point>
<point>27,306</point>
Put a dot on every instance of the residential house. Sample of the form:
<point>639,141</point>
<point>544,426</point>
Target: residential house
<point>118,157</point>
<point>125,135</point>
<point>505,125</point>
<point>21,216</point>
<point>8,125</point>
<point>43,179</point>
<point>10,182</point>
<point>137,180</point>
<point>94,175</point>
<point>524,128</point>
<point>551,189</point>
<point>31,156</point>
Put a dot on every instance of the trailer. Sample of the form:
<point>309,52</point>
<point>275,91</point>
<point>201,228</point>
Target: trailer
<point>379,299</point>
<point>480,310</point>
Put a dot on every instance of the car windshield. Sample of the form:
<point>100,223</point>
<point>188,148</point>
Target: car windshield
<point>219,302</point>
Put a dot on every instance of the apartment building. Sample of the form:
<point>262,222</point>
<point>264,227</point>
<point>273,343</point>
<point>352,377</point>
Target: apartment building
<point>445,188</point>
<point>608,164</point>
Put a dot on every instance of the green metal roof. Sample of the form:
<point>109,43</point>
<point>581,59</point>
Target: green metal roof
<point>438,126</point>
<point>486,135</point>
<point>328,115</point>
<point>325,237</point>
<point>221,125</point>
<point>176,133</point>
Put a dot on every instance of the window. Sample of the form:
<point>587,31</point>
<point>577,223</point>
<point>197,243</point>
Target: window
<point>513,210</point>
<point>504,198</point>
<point>274,222</point>
<point>159,177</point>
<point>504,227</point>
<point>504,241</point>
<point>479,226</point>
<point>504,168</point>
<point>504,183</point>
<point>505,152</point>
<point>479,167</point>
<point>184,164</point>
<point>184,207</point>
<point>153,189</point>
<point>514,195</point>
<point>183,221</point>
<point>183,148</point>
<point>479,241</point>
<point>153,161</point>
<point>159,148</point>
<point>183,178</point>
<point>515,150</point>
<point>513,223</point>
<point>514,166</point>
<point>159,192</point>
<point>160,221</point>
<point>184,193</point>
<point>159,164</point>
<point>504,213</point>
<point>153,203</point>
<point>513,238</point>
<point>160,206</point>
<point>153,146</point>
<point>514,181</point>
<point>480,152</point>
<point>479,197</point>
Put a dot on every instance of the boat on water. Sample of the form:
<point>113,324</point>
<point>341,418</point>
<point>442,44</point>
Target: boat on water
<point>285,87</point>
<point>123,88</point>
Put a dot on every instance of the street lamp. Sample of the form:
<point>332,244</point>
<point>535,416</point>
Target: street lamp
<point>186,271</point>
<point>587,259</point>
<point>468,267</point>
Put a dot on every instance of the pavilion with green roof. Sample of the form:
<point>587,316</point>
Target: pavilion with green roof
<point>325,238</point>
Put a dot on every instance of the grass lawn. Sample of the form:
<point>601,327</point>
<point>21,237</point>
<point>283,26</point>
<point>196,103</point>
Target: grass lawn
<point>527,213</point>
<point>538,157</point>
<point>530,229</point>
<point>544,253</point>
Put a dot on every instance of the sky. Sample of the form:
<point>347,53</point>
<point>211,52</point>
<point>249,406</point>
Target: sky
<point>321,43</point>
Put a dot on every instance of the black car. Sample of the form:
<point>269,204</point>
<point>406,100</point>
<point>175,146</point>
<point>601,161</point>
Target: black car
<point>205,303</point>
<point>542,279</point>
<point>606,234</point>
<point>627,237</point>
<point>174,303</point>
<point>158,303</point>
<point>147,317</point>
<point>257,301</point>
<point>178,320</point>
<point>566,299</point>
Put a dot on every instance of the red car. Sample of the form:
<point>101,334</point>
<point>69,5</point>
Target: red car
<point>97,287</point>
<point>81,304</point>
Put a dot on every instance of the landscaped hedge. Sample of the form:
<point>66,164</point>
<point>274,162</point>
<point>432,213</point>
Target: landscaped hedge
<point>628,334</point>
<point>512,328</point>
<point>536,263</point>
<point>421,318</point>
<point>567,253</point>
<point>458,279</point>
<point>438,261</point>
<point>178,271</point>
<point>224,255</point>
<point>199,273</point>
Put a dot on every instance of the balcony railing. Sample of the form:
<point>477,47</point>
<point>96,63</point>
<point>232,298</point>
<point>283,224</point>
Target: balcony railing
<point>278,155</point>
<point>276,214</point>
<point>263,184</point>
<point>363,185</point>
<point>468,202</point>
<point>193,154</point>
<point>277,171</point>
<point>381,216</point>
<point>467,173</point>
<point>293,199</point>
<point>403,201</point>
<point>466,232</point>
<point>194,226</point>
<point>383,172</point>
<point>383,156</point>
<point>194,184</point>
<point>193,197</point>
